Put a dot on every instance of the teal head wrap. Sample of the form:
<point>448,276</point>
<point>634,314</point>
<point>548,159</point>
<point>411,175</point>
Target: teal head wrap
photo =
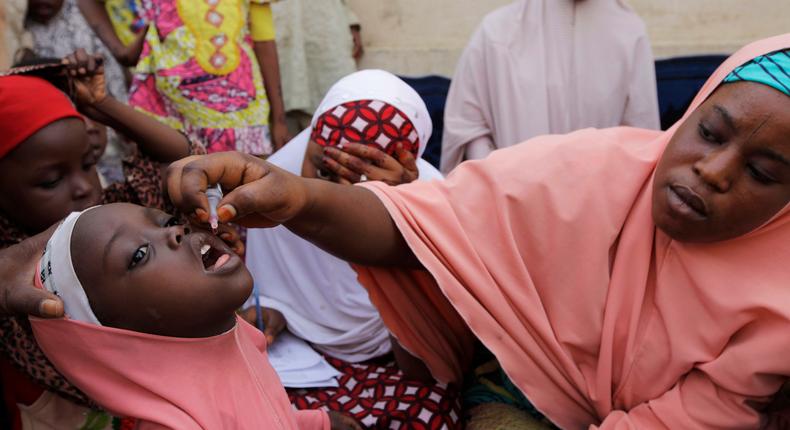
<point>771,69</point>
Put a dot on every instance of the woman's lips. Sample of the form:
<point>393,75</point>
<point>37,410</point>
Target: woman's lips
<point>687,202</point>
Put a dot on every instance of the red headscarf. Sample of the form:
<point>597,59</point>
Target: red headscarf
<point>369,122</point>
<point>28,104</point>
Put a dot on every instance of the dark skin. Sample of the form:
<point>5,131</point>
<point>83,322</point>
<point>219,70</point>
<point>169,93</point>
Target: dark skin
<point>268,62</point>
<point>143,271</point>
<point>41,11</point>
<point>49,175</point>
<point>98,19</point>
<point>726,170</point>
<point>53,172</point>
<point>97,137</point>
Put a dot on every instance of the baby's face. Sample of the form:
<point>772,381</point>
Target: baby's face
<point>142,271</point>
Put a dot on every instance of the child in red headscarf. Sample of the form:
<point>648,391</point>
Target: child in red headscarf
<point>48,169</point>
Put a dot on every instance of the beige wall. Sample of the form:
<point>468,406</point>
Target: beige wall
<point>419,37</point>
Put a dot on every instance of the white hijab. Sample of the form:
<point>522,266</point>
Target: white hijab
<point>539,67</point>
<point>319,294</point>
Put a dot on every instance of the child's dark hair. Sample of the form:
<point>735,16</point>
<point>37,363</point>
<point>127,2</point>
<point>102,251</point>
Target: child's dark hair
<point>50,69</point>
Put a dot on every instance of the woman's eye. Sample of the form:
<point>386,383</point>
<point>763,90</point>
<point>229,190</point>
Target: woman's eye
<point>706,134</point>
<point>323,174</point>
<point>759,175</point>
<point>172,221</point>
<point>138,256</point>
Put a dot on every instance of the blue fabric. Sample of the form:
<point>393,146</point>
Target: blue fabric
<point>679,79</point>
<point>772,70</point>
<point>433,90</point>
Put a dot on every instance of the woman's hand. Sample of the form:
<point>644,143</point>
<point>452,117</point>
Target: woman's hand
<point>339,421</point>
<point>260,194</point>
<point>18,294</point>
<point>273,321</point>
<point>87,73</point>
<point>356,160</point>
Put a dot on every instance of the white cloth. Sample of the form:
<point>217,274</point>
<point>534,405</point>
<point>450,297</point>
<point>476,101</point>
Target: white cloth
<point>539,67</point>
<point>56,270</point>
<point>319,295</point>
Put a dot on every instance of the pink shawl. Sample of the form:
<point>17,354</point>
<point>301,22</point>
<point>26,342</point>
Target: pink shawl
<point>548,254</point>
<point>536,67</point>
<point>221,382</point>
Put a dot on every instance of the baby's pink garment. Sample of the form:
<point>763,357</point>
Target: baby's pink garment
<point>548,253</point>
<point>221,382</point>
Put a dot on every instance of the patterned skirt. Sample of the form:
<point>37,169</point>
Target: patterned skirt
<point>379,397</point>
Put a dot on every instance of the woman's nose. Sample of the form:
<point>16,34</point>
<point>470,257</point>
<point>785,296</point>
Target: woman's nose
<point>718,168</point>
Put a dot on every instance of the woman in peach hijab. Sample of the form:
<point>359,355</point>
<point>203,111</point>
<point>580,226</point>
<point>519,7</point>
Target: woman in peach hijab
<point>623,278</point>
<point>536,67</point>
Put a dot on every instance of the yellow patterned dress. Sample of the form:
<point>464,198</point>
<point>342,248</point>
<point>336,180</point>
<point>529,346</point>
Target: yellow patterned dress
<point>198,71</point>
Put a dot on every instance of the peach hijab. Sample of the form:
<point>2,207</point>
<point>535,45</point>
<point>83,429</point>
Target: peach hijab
<point>547,253</point>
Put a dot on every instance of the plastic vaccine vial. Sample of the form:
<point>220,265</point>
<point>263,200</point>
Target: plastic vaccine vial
<point>214,195</point>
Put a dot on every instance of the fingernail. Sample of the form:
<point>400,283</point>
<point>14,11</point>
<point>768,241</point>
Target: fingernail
<point>201,215</point>
<point>50,308</point>
<point>82,70</point>
<point>226,213</point>
<point>269,339</point>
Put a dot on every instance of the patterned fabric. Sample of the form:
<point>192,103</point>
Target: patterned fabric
<point>772,70</point>
<point>379,398</point>
<point>366,121</point>
<point>143,187</point>
<point>125,19</point>
<point>198,73</point>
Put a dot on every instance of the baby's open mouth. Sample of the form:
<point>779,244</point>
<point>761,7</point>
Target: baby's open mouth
<point>212,257</point>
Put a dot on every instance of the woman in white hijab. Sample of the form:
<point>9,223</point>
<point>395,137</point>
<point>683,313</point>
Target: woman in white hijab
<point>370,126</point>
<point>549,67</point>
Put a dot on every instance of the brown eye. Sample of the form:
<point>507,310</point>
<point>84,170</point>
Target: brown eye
<point>706,134</point>
<point>138,256</point>
<point>173,221</point>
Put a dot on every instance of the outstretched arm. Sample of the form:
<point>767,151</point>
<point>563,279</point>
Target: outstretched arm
<point>158,141</point>
<point>347,221</point>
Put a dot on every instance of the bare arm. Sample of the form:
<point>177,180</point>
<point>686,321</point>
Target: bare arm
<point>347,221</point>
<point>266,53</point>
<point>98,19</point>
<point>352,224</point>
<point>157,140</point>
